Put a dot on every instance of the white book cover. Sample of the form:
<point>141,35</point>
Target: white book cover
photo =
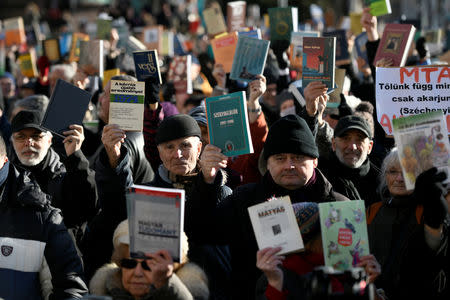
<point>155,219</point>
<point>275,225</point>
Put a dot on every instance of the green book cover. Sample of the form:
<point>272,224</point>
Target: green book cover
<point>228,124</point>
<point>104,29</point>
<point>379,7</point>
<point>344,233</point>
<point>282,20</point>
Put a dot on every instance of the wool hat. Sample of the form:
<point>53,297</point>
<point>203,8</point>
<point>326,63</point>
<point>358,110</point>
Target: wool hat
<point>352,122</point>
<point>175,127</point>
<point>27,119</point>
<point>199,114</point>
<point>308,220</point>
<point>290,134</point>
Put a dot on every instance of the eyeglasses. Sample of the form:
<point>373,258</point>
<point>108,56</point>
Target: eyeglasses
<point>129,263</point>
<point>22,137</point>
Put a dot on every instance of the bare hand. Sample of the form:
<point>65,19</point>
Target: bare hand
<point>74,139</point>
<point>268,261</point>
<point>112,138</point>
<point>161,266</point>
<point>219,75</point>
<point>257,88</point>
<point>322,104</point>
<point>384,62</point>
<point>211,161</point>
<point>313,91</point>
<point>369,22</point>
<point>81,80</point>
<point>371,266</point>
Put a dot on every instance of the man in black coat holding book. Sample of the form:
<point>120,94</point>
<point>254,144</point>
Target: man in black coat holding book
<point>291,155</point>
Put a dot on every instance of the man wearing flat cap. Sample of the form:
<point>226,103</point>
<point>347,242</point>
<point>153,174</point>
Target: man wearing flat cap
<point>349,168</point>
<point>291,155</point>
<point>178,140</point>
<point>68,180</point>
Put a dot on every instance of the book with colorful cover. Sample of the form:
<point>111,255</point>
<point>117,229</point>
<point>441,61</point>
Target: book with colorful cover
<point>14,31</point>
<point>275,225</point>
<point>283,21</point>
<point>249,58</point>
<point>342,54</point>
<point>104,26</point>
<point>344,233</point>
<point>254,33</point>
<point>2,57</point>
<point>126,107</point>
<point>180,74</point>
<point>224,47</point>
<point>27,65</point>
<point>51,49</point>
<point>214,20</point>
<point>65,41</point>
<point>236,12</point>
<point>167,47</point>
<point>296,47</point>
<point>228,123</point>
<point>147,65</point>
<point>355,23</point>
<point>152,37</point>
<point>74,53</point>
<point>156,220</point>
<point>108,74</point>
<point>395,43</point>
<point>91,57</point>
<point>360,46</point>
<point>379,7</point>
<point>422,144</point>
<point>319,60</point>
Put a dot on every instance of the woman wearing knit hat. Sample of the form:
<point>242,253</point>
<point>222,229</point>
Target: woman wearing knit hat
<point>157,277</point>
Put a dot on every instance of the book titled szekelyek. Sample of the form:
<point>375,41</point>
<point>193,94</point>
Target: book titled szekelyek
<point>249,58</point>
<point>126,107</point>
<point>155,218</point>
<point>146,64</point>
<point>228,124</point>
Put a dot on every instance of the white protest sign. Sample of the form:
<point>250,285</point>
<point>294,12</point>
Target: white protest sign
<point>411,91</point>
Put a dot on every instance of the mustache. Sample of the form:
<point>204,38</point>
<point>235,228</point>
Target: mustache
<point>30,149</point>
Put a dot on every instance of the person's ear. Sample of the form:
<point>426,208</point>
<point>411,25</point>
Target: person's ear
<point>370,146</point>
<point>333,144</point>
<point>315,162</point>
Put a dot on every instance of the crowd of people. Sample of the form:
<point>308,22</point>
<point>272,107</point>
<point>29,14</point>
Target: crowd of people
<point>63,211</point>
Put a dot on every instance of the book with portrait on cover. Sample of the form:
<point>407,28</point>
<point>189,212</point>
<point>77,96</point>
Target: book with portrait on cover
<point>395,43</point>
<point>275,225</point>
<point>156,220</point>
<point>228,123</point>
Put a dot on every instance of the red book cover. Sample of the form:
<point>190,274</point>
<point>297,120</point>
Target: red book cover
<point>395,43</point>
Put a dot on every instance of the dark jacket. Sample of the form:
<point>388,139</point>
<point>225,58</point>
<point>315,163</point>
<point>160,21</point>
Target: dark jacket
<point>71,185</point>
<point>228,221</point>
<point>31,231</point>
<point>355,184</point>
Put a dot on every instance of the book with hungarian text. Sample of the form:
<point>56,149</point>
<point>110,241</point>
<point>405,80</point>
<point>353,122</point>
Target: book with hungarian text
<point>319,60</point>
<point>155,219</point>
<point>283,21</point>
<point>344,233</point>
<point>223,48</point>
<point>275,225</point>
<point>236,12</point>
<point>228,123</point>
<point>147,65</point>
<point>296,48</point>
<point>395,43</point>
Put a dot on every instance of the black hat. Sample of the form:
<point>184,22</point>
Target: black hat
<point>175,127</point>
<point>352,122</point>
<point>290,134</point>
<point>27,119</point>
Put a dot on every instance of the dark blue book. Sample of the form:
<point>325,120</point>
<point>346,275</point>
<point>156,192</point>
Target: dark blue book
<point>342,54</point>
<point>146,64</point>
<point>249,58</point>
<point>360,46</point>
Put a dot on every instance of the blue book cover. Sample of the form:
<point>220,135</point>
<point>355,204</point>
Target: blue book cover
<point>228,123</point>
<point>65,41</point>
<point>146,65</point>
<point>342,54</point>
<point>319,60</point>
<point>178,48</point>
<point>249,58</point>
<point>255,33</point>
<point>360,46</point>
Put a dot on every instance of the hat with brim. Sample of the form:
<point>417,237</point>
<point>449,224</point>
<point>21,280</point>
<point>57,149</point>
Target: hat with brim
<point>27,119</point>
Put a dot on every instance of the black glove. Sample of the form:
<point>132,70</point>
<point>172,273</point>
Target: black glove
<point>151,90</point>
<point>429,191</point>
<point>279,47</point>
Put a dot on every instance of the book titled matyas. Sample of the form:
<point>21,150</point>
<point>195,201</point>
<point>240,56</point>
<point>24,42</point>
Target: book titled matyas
<point>156,217</point>
<point>422,144</point>
<point>147,65</point>
<point>228,123</point>
<point>126,107</point>
<point>249,58</point>
<point>275,225</point>
<point>344,233</point>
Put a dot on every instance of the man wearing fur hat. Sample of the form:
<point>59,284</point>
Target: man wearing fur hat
<point>291,155</point>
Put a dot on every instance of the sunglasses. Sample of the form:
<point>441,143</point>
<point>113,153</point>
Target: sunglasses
<point>129,263</point>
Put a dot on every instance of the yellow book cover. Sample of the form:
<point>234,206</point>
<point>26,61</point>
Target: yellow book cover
<point>108,74</point>
<point>355,23</point>
<point>77,37</point>
<point>27,65</point>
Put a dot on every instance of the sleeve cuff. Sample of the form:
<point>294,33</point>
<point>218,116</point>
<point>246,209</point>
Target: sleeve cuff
<point>274,294</point>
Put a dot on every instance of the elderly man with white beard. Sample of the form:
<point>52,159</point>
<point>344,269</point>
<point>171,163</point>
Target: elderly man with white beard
<point>68,180</point>
<point>349,169</point>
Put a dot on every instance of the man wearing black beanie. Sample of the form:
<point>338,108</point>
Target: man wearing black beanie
<point>291,155</point>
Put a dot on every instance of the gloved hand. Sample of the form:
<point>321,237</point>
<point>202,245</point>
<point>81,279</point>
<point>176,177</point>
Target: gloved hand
<point>429,191</point>
<point>279,47</point>
<point>151,90</point>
